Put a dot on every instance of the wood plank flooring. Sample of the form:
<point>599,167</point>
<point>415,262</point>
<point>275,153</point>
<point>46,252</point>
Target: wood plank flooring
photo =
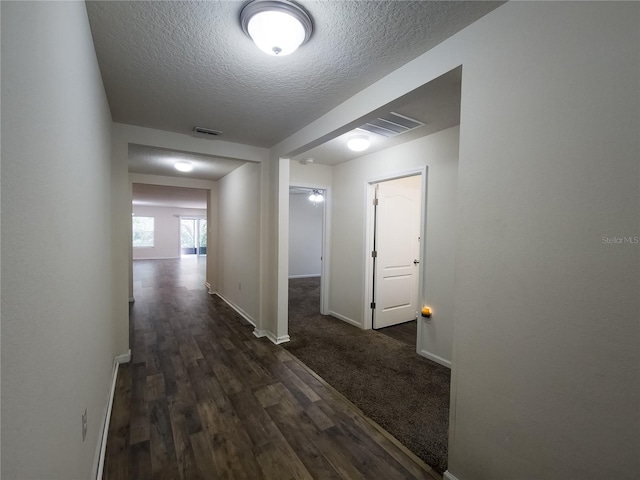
<point>203,398</point>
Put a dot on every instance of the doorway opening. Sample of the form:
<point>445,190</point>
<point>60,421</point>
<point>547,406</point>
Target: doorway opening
<point>307,286</point>
<point>193,236</point>
<point>176,229</point>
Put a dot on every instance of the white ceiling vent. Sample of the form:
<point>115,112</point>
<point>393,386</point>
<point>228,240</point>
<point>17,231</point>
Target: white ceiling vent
<point>391,124</point>
<point>207,131</point>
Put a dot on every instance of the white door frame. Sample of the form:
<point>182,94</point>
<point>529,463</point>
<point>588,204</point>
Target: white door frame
<point>368,242</point>
<point>326,236</point>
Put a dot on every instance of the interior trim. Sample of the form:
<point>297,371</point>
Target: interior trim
<point>435,358</point>
<point>345,319</point>
<point>102,444</point>
<point>241,312</point>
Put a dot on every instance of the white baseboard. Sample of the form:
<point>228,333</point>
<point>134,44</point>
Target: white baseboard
<point>101,447</point>
<point>241,312</point>
<point>435,358</point>
<point>259,333</point>
<point>345,319</point>
<point>449,476</point>
<point>132,300</point>
<point>277,340</point>
<point>310,275</point>
<point>123,358</point>
<point>208,285</point>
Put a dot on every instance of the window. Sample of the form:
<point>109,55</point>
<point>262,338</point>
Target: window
<point>142,231</point>
<point>193,236</point>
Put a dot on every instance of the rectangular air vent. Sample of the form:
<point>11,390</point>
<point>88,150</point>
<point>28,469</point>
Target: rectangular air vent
<point>391,124</point>
<point>207,131</point>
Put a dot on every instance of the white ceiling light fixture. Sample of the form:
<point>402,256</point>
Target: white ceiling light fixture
<point>183,166</point>
<point>278,27</point>
<point>358,143</point>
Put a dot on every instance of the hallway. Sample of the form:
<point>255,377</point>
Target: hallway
<point>204,398</point>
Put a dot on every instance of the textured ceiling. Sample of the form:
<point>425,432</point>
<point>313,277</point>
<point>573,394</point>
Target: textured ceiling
<point>160,161</point>
<point>174,65</point>
<point>163,196</point>
<point>436,104</point>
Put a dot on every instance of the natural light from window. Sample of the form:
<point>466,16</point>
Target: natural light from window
<point>142,229</point>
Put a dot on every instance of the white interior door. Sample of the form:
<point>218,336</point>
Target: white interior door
<point>397,246</point>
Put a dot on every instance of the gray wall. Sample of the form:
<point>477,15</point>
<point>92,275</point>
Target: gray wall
<point>58,340</point>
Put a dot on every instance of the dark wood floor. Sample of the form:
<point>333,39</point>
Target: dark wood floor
<point>204,399</point>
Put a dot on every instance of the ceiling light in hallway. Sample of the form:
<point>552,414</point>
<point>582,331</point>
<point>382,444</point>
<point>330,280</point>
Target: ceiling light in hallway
<point>183,166</point>
<point>359,143</point>
<point>277,27</point>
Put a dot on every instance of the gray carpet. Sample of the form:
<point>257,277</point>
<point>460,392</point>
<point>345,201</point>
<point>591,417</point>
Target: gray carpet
<point>406,394</point>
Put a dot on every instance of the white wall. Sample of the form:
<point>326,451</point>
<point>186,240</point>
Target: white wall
<point>238,254</point>
<point>58,338</point>
<point>546,355</point>
<point>310,175</point>
<point>305,236</point>
<point>166,229</point>
<point>439,152</point>
<point>546,323</point>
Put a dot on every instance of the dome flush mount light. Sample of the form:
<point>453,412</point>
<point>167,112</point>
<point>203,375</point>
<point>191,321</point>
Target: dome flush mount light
<point>183,166</point>
<point>358,143</point>
<point>278,27</point>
